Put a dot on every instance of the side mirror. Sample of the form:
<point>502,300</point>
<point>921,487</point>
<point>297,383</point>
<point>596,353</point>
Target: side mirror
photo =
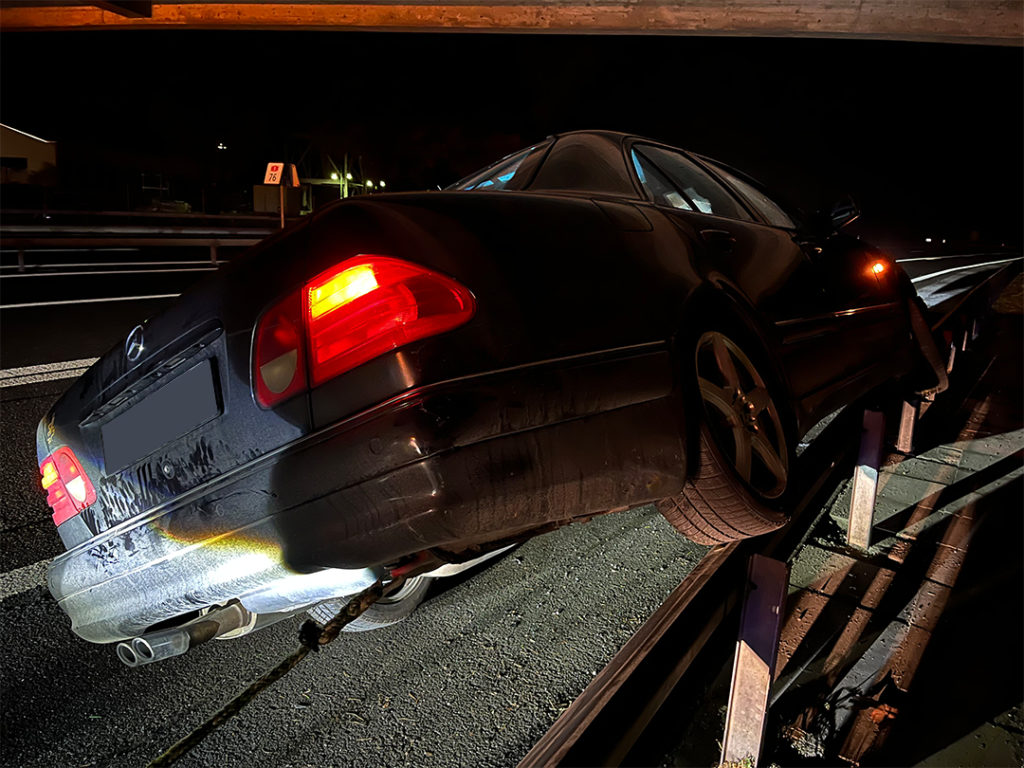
<point>827,222</point>
<point>844,212</point>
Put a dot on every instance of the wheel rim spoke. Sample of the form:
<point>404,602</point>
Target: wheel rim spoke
<point>723,358</point>
<point>719,398</point>
<point>743,452</point>
<point>769,455</point>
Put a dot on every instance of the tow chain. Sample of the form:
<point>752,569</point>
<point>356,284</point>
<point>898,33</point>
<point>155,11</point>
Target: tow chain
<point>312,638</point>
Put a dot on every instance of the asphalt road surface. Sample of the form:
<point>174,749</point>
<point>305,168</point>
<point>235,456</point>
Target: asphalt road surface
<point>473,678</point>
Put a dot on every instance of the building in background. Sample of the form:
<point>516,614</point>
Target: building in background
<point>26,159</point>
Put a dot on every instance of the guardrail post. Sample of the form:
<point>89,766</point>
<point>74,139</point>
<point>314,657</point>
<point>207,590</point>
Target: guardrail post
<point>754,665</point>
<point>865,481</point>
<point>21,260</point>
<point>213,252</point>
<point>908,418</point>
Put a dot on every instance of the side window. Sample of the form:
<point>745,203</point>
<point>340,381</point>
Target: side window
<point>771,211</point>
<point>705,194</point>
<point>657,185</point>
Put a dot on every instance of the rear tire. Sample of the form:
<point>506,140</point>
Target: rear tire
<point>741,482</point>
<point>387,611</point>
<point>393,608</point>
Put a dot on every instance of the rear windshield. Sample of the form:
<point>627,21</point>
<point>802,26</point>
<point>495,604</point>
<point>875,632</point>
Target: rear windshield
<point>504,174</point>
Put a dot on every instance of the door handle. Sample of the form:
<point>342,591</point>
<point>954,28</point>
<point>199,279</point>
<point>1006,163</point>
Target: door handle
<point>719,240</point>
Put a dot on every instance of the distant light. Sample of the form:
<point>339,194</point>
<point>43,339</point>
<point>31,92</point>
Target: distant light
<point>927,239</point>
<point>382,185</point>
<point>334,177</point>
<point>943,242</point>
<point>348,176</point>
<point>221,145</point>
<point>369,183</point>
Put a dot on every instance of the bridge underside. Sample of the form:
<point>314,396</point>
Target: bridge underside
<point>988,22</point>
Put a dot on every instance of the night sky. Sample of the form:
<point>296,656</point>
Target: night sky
<point>927,137</point>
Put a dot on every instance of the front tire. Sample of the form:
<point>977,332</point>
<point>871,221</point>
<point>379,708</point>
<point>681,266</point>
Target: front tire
<point>745,448</point>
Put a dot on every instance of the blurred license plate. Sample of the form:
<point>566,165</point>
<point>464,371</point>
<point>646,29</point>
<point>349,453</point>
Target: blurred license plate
<point>171,412</point>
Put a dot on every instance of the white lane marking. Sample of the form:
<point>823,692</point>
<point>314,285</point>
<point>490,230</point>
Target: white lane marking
<point>33,374</point>
<point>21,579</point>
<point>89,301</point>
<point>961,269</point>
<point>111,263</point>
<point>109,272</point>
<point>945,258</point>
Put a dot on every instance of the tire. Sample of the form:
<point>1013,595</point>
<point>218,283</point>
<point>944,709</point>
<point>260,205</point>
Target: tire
<point>388,610</point>
<point>745,446</point>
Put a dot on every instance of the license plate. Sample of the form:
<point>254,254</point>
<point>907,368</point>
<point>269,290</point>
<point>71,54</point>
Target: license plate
<point>171,412</point>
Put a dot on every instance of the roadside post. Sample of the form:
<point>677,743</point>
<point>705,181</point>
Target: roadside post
<point>757,649</point>
<point>865,481</point>
<point>908,418</point>
<point>283,175</point>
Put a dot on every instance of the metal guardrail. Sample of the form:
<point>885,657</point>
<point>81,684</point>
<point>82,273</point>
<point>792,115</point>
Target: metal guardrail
<point>25,240</point>
<point>605,723</point>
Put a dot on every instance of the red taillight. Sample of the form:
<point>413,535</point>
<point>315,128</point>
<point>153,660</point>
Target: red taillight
<point>370,305</point>
<point>348,315</point>
<point>280,359</point>
<point>68,488</point>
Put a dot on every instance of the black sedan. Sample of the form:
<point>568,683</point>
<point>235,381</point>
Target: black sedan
<point>403,384</point>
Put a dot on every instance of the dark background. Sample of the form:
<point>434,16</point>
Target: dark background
<point>927,137</point>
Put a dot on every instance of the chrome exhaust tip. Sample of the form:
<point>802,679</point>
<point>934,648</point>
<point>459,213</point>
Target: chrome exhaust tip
<point>165,643</point>
<point>127,654</point>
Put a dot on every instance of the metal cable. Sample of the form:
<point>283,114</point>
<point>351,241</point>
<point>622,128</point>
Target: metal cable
<point>311,636</point>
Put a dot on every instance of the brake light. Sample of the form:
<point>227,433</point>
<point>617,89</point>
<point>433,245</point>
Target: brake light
<point>370,305</point>
<point>68,488</point>
<point>348,315</point>
<point>878,268</point>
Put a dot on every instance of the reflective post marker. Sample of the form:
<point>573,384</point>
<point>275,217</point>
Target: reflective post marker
<point>865,481</point>
<point>908,418</point>
<point>754,666</point>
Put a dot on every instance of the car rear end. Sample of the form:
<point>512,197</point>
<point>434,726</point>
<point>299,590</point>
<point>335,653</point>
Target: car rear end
<point>337,401</point>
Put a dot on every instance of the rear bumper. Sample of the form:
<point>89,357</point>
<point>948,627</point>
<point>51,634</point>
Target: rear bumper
<point>449,466</point>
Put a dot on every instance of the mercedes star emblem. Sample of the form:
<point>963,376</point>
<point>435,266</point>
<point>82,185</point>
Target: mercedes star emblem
<point>133,346</point>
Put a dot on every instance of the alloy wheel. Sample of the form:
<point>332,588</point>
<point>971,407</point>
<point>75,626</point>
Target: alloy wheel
<point>741,415</point>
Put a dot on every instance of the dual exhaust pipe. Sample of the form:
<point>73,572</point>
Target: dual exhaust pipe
<point>165,643</point>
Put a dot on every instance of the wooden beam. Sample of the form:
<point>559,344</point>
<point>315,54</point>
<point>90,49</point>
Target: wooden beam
<point>130,9</point>
<point>990,22</point>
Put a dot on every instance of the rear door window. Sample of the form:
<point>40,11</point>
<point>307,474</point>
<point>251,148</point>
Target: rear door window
<point>772,211</point>
<point>698,188</point>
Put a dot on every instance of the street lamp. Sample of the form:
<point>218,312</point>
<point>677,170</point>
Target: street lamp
<point>334,177</point>
<point>382,185</point>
